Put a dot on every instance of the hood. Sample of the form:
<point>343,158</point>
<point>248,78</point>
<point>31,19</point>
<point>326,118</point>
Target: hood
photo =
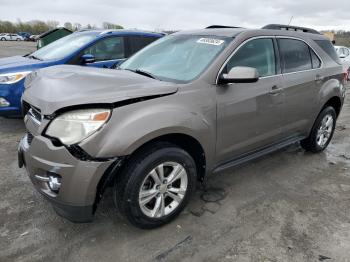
<point>20,63</point>
<point>57,87</point>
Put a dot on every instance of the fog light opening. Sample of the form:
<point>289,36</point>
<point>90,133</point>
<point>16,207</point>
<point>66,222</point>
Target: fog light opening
<point>4,102</point>
<point>54,183</point>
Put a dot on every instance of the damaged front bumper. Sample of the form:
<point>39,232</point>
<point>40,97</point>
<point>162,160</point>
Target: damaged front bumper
<point>73,191</point>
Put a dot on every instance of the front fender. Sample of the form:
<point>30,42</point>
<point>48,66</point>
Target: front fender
<point>134,125</point>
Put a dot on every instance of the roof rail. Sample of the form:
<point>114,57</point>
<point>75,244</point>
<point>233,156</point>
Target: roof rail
<point>221,26</point>
<point>291,28</point>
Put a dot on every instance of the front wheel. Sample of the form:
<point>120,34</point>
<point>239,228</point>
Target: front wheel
<point>322,131</point>
<point>156,185</point>
<point>3,39</point>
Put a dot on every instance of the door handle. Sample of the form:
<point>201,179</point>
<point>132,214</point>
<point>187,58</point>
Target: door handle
<point>275,90</point>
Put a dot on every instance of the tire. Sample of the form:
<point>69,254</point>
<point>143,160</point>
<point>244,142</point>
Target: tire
<point>136,178</point>
<point>18,39</point>
<point>315,143</point>
<point>3,39</point>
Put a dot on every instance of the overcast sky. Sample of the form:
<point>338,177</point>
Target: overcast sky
<point>182,14</point>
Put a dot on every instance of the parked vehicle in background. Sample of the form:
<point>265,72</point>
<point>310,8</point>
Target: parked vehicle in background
<point>25,35</point>
<point>93,48</point>
<point>33,38</point>
<point>344,56</point>
<point>11,37</point>
<point>188,105</point>
<point>51,36</point>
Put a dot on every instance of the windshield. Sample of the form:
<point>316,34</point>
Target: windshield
<point>179,58</point>
<point>63,47</point>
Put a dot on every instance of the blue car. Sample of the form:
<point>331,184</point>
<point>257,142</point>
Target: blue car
<point>95,48</point>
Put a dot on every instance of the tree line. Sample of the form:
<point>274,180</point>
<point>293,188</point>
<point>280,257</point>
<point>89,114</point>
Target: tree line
<point>37,27</point>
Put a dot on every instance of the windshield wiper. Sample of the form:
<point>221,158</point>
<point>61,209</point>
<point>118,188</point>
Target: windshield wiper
<point>34,57</point>
<point>145,73</point>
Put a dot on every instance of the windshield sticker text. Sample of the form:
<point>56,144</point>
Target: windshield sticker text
<point>210,41</point>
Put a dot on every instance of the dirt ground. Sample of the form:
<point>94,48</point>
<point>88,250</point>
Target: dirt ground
<point>288,206</point>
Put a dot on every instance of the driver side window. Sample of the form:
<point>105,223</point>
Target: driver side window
<point>107,49</point>
<point>258,53</point>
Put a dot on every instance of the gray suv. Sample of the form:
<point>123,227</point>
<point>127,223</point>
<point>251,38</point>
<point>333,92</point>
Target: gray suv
<point>188,105</point>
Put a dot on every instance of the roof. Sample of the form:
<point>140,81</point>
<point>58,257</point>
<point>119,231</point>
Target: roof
<point>233,32</point>
<point>119,31</point>
<point>224,32</point>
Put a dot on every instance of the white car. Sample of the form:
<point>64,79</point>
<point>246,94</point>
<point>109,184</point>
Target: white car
<point>344,56</point>
<point>10,37</point>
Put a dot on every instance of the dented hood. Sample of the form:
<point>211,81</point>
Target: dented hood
<point>53,88</point>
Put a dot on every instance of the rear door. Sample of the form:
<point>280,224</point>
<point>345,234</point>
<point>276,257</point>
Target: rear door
<point>249,114</point>
<point>302,78</point>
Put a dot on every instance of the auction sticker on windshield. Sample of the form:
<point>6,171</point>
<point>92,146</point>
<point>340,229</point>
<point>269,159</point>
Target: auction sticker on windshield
<point>210,41</point>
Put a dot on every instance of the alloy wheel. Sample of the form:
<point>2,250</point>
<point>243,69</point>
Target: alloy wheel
<point>325,130</point>
<point>163,189</point>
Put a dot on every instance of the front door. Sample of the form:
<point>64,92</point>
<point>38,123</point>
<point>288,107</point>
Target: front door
<point>249,114</point>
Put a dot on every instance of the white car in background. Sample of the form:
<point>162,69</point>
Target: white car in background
<point>344,55</point>
<point>10,37</point>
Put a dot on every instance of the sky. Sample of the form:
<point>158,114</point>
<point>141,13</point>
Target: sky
<point>182,14</point>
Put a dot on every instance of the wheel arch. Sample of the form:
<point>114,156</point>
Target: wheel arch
<point>334,102</point>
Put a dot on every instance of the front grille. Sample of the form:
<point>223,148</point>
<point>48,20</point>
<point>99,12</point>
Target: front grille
<point>29,138</point>
<point>35,113</point>
<point>25,108</point>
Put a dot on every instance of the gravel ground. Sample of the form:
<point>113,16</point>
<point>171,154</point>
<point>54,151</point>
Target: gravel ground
<point>288,206</point>
<point>12,48</point>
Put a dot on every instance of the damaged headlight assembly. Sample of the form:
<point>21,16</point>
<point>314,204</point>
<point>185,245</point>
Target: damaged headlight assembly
<point>74,126</point>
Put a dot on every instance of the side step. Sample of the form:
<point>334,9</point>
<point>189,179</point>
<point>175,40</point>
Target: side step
<point>256,154</point>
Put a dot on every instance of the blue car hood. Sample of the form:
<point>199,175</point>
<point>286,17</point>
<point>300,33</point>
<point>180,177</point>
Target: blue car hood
<point>20,63</point>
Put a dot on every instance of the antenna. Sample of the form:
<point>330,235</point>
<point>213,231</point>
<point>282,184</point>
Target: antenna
<point>290,20</point>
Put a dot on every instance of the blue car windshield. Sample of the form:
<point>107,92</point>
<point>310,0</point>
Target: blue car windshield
<point>177,58</point>
<point>63,47</point>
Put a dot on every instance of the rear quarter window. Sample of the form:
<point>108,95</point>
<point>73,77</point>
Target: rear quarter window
<point>328,47</point>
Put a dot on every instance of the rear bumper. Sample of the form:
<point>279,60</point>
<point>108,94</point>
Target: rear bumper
<point>79,179</point>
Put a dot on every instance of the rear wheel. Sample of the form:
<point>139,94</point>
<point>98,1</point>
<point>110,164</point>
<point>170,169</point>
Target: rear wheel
<point>3,39</point>
<point>156,185</point>
<point>322,131</point>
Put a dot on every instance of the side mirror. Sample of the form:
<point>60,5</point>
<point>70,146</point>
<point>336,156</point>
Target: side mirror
<point>240,74</point>
<point>87,58</point>
<point>342,56</point>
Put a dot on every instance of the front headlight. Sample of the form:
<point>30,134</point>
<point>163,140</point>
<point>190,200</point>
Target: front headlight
<point>74,126</point>
<point>12,78</point>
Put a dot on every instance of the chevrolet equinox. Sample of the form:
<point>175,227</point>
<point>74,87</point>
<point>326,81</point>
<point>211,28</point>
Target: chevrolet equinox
<point>190,104</point>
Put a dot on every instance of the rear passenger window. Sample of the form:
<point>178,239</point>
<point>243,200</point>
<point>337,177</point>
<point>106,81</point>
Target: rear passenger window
<point>259,54</point>
<point>316,62</point>
<point>295,55</point>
